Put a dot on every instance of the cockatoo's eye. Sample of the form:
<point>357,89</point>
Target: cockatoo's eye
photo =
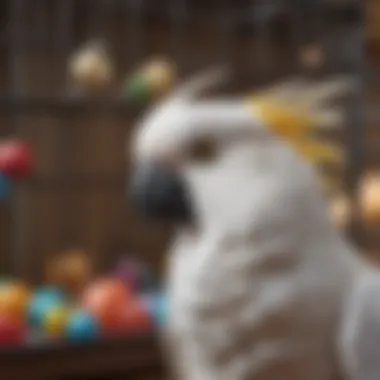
<point>202,150</point>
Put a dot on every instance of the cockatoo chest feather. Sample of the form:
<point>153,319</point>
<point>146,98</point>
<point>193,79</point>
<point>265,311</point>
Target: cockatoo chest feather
<point>252,310</point>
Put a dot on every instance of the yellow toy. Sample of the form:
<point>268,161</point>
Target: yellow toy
<point>54,322</point>
<point>70,270</point>
<point>91,68</point>
<point>14,299</point>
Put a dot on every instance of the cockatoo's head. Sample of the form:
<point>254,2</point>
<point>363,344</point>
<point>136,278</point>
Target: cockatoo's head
<point>218,163</point>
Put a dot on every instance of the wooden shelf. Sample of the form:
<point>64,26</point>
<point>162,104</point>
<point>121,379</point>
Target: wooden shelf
<point>136,358</point>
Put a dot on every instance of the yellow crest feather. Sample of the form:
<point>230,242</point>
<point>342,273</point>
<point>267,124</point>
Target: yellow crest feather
<point>285,121</point>
<point>297,126</point>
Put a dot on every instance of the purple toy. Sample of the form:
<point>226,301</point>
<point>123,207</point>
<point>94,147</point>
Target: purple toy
<point>134,274</point>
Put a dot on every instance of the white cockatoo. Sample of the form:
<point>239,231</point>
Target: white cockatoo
<point>261,285</point>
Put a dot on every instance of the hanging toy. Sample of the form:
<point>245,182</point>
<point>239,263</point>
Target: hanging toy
<point>15,158</point>
<point>91,67</point>
<point>150,82</point>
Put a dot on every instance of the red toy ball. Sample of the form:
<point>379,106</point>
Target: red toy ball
<point>15,158</point>
<point>12,330</point>
<point>106,299</point>
<point>136,318</point>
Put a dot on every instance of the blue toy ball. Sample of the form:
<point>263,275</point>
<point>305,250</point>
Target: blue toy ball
<point>5,186</point>
<point>161,309</point>
<point>42,300</point>
<point>157,307</point>
<point>82,327</point>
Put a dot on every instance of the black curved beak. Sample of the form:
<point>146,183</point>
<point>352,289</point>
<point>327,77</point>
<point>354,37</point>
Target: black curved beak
<point>160,193</point>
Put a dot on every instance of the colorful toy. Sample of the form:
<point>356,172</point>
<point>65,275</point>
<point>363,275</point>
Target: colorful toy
<point>14,299</point>
<point>157,306</point>
<point>12,330</point>
<point>15,158</point>
<point>150,82</point>
<point>4,281</point>
<point>106,299</point>
<point>136,275</point>
<point>55,319</point>
<point>82,326</point>
<point>5,186</point>
<point>136,318</point>
<point>70,270</point>
<point>43,300</point>
<point>91,67</point>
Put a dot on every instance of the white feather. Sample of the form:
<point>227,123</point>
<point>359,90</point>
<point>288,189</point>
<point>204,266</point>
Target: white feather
<point>264,286</point>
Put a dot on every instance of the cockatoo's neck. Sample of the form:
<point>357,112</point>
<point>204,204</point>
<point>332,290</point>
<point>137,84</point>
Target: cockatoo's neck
<point>267,226</point>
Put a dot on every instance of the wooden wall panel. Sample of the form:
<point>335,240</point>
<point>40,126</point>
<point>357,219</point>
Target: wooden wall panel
<point>77,194</point>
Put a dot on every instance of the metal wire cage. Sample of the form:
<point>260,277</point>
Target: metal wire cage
<point>75,196</point>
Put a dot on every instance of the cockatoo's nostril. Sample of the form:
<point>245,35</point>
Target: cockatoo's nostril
<point>160,193</point>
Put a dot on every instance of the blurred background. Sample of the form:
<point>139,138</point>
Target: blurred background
<point>75,195</point>
<point>74,119</point>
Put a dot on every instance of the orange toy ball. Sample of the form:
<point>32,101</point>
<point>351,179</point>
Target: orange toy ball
<point>71,270</point>
<point>14,299</point>
<point>106,300</point>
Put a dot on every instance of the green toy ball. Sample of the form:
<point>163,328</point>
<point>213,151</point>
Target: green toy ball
<point>137,91</point>
<point>151,81</point>
<point>5,281</point>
